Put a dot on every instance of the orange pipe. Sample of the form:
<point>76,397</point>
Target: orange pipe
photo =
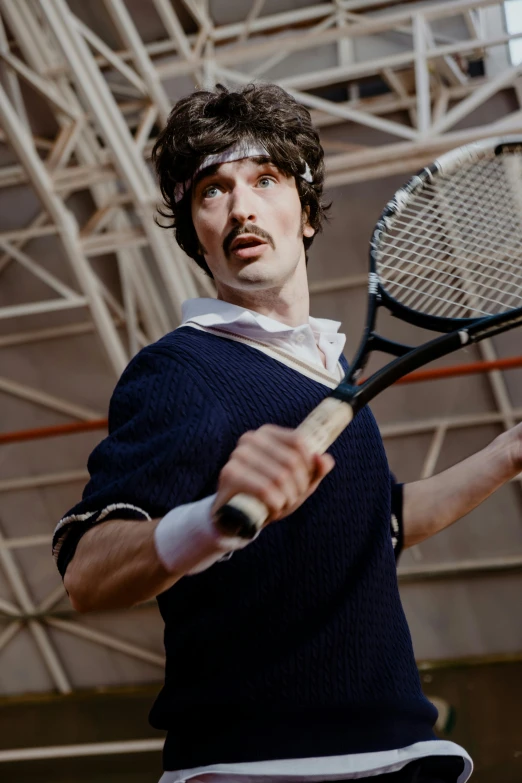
<point>413,377</point>
<point>49,432</point>
<point>462,369</point>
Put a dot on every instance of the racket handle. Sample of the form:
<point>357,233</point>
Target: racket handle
<point>245,515</point>
<point>325,423</point>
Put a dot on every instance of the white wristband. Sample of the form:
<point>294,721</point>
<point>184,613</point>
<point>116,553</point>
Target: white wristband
<point>187,541</point>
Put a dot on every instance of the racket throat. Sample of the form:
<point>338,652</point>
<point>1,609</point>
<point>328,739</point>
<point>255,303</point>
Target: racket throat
<point>378,343</point>
<point>358,396</point>
<point>348,392</point>
<point>372,342</point>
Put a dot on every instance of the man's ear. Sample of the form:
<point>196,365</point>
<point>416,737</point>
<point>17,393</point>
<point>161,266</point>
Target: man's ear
<point>308,230</point>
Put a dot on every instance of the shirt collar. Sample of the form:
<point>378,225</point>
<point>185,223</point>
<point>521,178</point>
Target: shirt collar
<point>215,312</point>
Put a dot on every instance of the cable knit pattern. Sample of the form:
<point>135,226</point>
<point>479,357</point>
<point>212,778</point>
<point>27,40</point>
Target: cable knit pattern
<point>297,645</point>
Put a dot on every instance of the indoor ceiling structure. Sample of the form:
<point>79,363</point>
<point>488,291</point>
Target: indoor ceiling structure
<point>87,277</point>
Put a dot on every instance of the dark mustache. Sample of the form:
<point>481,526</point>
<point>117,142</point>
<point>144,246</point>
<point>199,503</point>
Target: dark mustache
<point>250,228</point>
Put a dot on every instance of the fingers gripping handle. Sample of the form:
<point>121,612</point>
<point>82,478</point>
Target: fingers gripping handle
<point>245,515</point>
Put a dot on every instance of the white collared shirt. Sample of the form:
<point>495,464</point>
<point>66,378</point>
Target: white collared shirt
<point>286,343</point>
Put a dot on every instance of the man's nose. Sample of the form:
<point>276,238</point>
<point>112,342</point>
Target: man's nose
<point>242,209</point>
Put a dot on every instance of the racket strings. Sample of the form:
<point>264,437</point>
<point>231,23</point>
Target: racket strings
<point>479,248</point>
<point>454,279</point>
<point>464,247</point>
<point>413,248</point>
<point>455,249</point>
<point>504,221</point>
<point>470,231</point>
<point>420,265</point>
<point>448,274</point>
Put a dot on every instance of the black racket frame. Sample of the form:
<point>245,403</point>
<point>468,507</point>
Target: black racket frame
<point>457,332</point>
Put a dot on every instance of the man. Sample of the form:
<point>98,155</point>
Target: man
<point>288,657</point>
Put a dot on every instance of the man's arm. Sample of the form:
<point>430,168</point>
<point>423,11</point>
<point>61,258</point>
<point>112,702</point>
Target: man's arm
<point>432,504</point>
<point>120,563</point>
<point>116,566</point>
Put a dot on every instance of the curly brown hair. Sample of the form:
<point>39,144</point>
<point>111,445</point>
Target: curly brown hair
<point>205,123</point>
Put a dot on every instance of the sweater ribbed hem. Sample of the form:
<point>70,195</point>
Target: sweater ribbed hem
<point>231,736</point>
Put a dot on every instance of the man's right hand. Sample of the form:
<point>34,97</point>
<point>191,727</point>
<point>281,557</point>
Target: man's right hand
<point>273,465</point>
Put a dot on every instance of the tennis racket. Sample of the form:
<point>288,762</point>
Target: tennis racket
<point>445,255</point>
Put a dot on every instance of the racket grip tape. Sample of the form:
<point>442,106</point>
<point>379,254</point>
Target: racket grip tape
<point>245,515</point>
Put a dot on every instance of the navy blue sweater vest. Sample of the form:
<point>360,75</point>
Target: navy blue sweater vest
<point>297,645</point>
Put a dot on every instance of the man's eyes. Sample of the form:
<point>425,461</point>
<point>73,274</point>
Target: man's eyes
<point>212,191</point>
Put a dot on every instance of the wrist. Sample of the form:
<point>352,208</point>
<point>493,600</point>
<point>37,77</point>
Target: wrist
<point>187,540</point>
<point>505,453</point>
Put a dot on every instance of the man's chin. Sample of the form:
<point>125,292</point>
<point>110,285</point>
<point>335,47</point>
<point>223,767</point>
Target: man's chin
<point>257,275</point>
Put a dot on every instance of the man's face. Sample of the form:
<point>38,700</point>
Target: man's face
<point>249,222</point>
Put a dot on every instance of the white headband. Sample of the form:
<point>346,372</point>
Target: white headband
<point>242,149</point>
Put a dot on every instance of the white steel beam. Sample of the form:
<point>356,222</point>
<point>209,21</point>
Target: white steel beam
<point>402,157</point>
<point>344,112</point>
<point>112,58</point>
<point>461,568</point>
<point>42,274</point>
<point>199,11</point>
<point>47,306</point>
<point>13,85</point>
<point>83,750</point>
<point>173,27</point>
<point>17,584</point>
<point>253,14</point>
<point>106,640</point>
<point>266,65</point>
<point>39,84</point>
<point>366,27</point>
<point>422,77</point>
<point>151,307</point>
<point>9,633</point>
<point>8,608</point>
<point>498,385</point>
<point>51,333</point>
<point>129,162</point>
<point>41,181</point>
<point>44,480</point>
<point>50,601</point>
<point>50,401</point>
<point>130,36</point>
<point>477,98</point>
<point>26,541</point>
<point>462,421</point>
